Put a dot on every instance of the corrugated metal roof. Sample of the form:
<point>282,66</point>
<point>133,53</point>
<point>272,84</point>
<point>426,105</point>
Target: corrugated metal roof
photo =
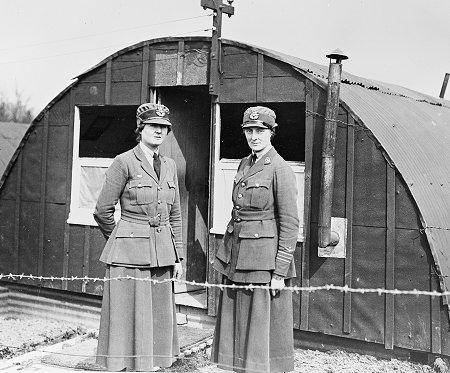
<point>11,136</point>
<point>412,127</point>
<point>414,130</point>
<point>416,136</point>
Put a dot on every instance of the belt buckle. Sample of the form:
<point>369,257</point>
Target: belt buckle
<point>155,221</point>
<point>235,215</point>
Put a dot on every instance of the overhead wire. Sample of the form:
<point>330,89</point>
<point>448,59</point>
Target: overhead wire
<point>103,33</point>
<point>92,49</point>
<point>82,51</point>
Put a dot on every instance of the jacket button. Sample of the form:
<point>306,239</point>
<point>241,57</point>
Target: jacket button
<point>159,202</point>
<point>239,195</point>
<point>158,230</point>
<point>243,184</point>
<point>237,220</point>
<point>237,207</point>
<point>159,188</point>
<point>256,235</point>
<point>131,235</point>
<point>257,185</point>
<point>139,185</point>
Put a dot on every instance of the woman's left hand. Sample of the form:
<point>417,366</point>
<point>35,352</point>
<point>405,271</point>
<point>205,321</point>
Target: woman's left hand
<point>276,284</point>
<point>178,271</point>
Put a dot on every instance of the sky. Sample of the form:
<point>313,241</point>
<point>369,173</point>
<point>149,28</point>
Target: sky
<point>47,43</point>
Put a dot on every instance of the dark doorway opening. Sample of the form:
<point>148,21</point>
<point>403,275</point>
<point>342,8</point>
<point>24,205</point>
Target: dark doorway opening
<point>290,133</point>
<point>188,145</point>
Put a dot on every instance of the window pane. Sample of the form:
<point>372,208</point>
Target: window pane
<point>289,140</point>
<point>106,131</point>
<point>91,182</point>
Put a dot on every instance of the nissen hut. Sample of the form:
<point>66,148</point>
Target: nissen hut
<point>390,199</point>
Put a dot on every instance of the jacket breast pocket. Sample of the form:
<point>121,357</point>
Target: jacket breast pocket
<point>259,192</point>
<point>141,191</point>
<point>257,245</point>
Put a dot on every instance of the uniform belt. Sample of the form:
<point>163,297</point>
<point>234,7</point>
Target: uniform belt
<point>239,215</point>
<point>154,221</point>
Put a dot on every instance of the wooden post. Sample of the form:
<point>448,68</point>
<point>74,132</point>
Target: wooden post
<point>444,85</point>
<point>219,8</point>
<point>214,84</point>
<point>326,236</point>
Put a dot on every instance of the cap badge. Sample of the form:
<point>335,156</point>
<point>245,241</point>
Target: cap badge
<point>160,113</point>
<point>254,115</point>
<point>267,160</point>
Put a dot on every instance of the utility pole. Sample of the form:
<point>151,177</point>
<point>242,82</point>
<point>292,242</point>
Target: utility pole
<point>214,87</point>
<point>218,8</point>
<point>444,85</point>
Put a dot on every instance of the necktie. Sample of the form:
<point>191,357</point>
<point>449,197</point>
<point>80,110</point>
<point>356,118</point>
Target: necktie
<point>252,159</point>
<point>157,164</point>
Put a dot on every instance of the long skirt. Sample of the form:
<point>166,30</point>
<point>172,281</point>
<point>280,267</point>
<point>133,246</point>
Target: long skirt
<point>138,328</point>
<point>254,331</point>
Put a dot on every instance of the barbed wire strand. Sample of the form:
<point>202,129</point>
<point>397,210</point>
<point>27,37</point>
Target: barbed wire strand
<point>181,356</point>
<point>185,354</point>
<point>296,289</point>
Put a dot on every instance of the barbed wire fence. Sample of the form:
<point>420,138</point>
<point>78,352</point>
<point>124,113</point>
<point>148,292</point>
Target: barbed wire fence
<point>189,353</point>
<point>206,285</point>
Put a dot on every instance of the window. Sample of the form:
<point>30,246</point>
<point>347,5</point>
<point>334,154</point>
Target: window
<point>100,133</point>
<point>231,146</point>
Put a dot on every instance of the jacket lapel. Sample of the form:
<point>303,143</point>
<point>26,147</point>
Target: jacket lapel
<point>260,164</point>
<point>243,167</point>
<point>146,166</point>
<point>164,167</point>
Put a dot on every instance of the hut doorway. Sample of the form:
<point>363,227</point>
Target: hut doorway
<point>190,110</point>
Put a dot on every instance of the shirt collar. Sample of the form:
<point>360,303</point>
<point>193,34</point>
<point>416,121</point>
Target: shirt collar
<point>147,151</point>
<point>262,154</point>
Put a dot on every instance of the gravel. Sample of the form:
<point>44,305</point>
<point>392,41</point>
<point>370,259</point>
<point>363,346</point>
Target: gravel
<point>23,334</point>
<point>313,361</point>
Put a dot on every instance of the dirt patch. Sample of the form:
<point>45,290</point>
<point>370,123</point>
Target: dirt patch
<point>312,361</point>
<point>19,335</point>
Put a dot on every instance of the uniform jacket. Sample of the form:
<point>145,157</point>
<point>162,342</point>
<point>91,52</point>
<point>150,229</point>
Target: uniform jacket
<point>149,230</point>
<point>264,217</point>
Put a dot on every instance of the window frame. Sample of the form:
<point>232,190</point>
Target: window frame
<point>77,214</point>
<point>84,216</point>
<point>224,172</point>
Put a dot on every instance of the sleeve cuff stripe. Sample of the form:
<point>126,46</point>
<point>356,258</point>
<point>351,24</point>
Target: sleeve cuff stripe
<point>283,260</point>
<point>284,255</point>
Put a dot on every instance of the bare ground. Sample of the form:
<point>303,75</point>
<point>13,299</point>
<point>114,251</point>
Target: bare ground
<point>311,361</point>
<point>21,335</point>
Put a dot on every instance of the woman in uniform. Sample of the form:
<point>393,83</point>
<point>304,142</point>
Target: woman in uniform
<point>254,327</point>
<point>138,329</point>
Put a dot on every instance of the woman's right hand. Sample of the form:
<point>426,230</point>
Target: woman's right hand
<point>276,284</point>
